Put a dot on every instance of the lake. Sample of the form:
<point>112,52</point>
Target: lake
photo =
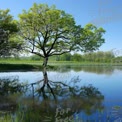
<point>107,79</point>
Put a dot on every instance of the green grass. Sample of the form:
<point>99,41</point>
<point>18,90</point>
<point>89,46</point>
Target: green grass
<point>13,61</point>
<point>25,67</point>
<point>29,65</point>
<point>31,62</point>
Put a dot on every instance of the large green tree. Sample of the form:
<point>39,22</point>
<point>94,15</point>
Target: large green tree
<point>9,41</point>
<point>48,31</point>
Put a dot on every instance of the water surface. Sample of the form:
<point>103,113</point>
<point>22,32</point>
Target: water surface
<point>107,79</point>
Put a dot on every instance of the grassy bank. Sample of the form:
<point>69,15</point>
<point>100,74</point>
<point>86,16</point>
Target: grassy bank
<point>31,62</point>
<point>29,65</point>
<point>16,67</point>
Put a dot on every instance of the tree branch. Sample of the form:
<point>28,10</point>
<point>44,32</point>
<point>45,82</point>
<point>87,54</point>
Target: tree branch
<point>52,44</point>
<point>59,53</point>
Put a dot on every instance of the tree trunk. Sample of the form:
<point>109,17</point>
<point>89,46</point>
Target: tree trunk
<point>46,79</point>
<point>45,70</point>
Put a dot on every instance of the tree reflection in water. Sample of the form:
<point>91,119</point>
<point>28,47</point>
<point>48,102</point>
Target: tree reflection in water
<point>10,88</point>
<point>71,100</point>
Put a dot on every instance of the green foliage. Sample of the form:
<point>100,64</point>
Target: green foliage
<point>7,23</point>
<point>118,59</point>
<point>91,38</point>
<point>9,41</point>
<point>35,58</point>
<point>48,31</point>
<point>102,57</point>
<point>99,56</point>
<point>77,57</point>
<point>65,57</point>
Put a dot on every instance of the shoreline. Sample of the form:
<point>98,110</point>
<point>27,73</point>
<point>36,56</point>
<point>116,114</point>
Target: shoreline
<point>36,66</point>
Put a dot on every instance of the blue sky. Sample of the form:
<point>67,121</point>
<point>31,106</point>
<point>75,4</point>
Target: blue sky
<point>102,13</point>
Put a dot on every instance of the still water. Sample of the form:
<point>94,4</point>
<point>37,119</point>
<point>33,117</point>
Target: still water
<point>107,79</point>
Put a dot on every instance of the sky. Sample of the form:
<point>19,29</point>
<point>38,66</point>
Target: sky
<point>102,13</point>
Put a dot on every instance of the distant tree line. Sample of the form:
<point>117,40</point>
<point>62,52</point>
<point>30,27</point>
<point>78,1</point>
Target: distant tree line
<point>88,57</point>
<point>98,56</point>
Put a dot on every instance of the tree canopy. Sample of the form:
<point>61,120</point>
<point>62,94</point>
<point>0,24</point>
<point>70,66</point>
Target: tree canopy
<point>48,31</point>
<point>9,43</point>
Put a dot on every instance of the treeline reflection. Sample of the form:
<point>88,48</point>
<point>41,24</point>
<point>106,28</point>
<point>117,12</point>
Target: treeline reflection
<point>92,69</point>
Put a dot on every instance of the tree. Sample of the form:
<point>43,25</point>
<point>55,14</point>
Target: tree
<point>9,42</point>
<point>35,58</point>
<point>3,39</point>
<point>65,57</point>
<point>77,57</point>
<point>48,31</point>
